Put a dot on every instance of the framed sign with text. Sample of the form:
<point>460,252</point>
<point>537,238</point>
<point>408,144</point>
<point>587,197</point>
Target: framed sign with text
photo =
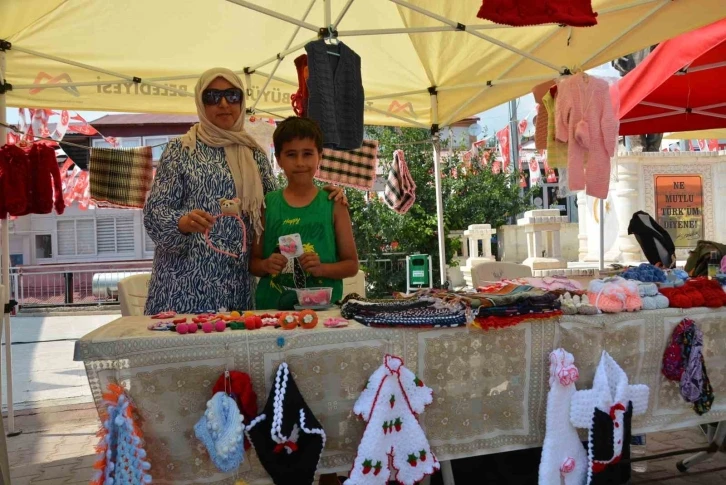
<point>679,207</point>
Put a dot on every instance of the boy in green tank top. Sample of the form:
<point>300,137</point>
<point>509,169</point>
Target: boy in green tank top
<point>301,208</point>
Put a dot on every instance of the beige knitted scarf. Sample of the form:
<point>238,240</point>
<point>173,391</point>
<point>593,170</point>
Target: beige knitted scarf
<point>237,144</point>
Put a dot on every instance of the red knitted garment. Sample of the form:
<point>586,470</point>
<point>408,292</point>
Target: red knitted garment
<point>696,293</point>
<point>521,13</point>
<point>240,388</point>
<point>30,181</point>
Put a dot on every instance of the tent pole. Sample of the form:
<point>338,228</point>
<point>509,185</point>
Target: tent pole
<point>280,57</point>
<point>277,15</point>
<point>437,182</point>
<point>327,13</point>
<point>288,50</point>
<point>491,40</point>
<point>650,13</point>
<point>5,263</point>
<point>342,14</point>
<point>602,234</point>
<point>99,70</point>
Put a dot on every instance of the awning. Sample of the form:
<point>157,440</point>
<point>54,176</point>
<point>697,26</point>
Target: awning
<point>680,86</point>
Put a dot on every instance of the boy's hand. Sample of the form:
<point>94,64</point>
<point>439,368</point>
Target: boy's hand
<point>310,262</point>
<point>337,194</point>
<point>274,264</point>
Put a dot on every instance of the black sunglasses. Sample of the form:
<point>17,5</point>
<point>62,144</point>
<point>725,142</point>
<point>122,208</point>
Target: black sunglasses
<point>212,97</point>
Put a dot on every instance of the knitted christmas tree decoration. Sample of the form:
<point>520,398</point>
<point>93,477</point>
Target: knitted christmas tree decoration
<point>287,437</point>
<point>121,456</point>
<point>563,455</point>
<point>389,403</point>
<point>606,411</point>
<point>221,431</point>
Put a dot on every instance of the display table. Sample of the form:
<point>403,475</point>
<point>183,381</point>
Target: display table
<point>490,388</point>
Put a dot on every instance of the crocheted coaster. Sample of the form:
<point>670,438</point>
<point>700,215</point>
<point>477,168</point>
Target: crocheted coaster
<point>287,437</point>
<point>389,403</point>
<point>221,431</point>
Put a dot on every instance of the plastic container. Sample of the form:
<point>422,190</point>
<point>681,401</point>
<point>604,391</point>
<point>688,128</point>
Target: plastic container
<point>314,296</point>
<point>637,449</point>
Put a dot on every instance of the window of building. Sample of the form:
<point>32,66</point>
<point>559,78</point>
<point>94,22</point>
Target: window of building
<point>115,235</point>
<point>156,143</point>
<point>149,245</point>
<point>43,246</point>
<point>123,142</point>
<point>75,237</point>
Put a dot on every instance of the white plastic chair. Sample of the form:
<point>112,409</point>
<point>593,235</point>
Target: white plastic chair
<point>491,272</point>
<point>356,284</point>
<point>132,294</point>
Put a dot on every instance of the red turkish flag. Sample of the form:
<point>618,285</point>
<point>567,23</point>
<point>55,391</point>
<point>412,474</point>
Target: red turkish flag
<point>504,141</point>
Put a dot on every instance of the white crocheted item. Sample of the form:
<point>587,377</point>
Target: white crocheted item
<point>389,403</point>
<point>563,456</point>
<point>220,429</point>
<point>611,394</point>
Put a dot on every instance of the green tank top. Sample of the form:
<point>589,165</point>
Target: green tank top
<point>315,225</point>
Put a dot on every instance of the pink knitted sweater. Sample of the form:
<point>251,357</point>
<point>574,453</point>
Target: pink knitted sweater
<point>585,119</point>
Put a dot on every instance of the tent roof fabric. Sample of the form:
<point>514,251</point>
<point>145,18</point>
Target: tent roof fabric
<point>674,88</point>
<point>171,42</point>
<point>145,119</point>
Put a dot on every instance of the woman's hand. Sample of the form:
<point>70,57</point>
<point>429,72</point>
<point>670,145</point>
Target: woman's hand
<point>310,262</point>
<point>274,264</point>
<point>195,221</point>
<point>337,194</point>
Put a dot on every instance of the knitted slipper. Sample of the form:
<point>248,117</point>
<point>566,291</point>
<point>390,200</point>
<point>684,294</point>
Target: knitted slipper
<point>567,305</point>
<point>221,431</point>
<point>585,308</point>
<point>287,437</point>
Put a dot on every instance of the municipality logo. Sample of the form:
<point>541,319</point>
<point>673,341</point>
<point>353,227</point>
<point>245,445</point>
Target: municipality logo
<point>44,81</point>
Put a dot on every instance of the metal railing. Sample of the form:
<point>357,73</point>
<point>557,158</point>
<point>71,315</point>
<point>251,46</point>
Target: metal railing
<point>77,284</point>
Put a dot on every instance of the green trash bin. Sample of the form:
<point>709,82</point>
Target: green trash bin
<point>418,269</point>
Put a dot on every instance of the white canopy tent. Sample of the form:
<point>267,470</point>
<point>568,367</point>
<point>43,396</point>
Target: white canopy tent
<point>426,63</point>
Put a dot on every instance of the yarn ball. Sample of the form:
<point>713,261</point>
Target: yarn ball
<point>207,327</point>
<point>192,328</point>
<point>646,273</point>
<point>661,302</point>
<point>258,322</point>
<point>308,319</point>
<point>250,322</point>
<point>220,326</point>
<point>234,314</point>
<point>649,303</point>
<point>182,328</point>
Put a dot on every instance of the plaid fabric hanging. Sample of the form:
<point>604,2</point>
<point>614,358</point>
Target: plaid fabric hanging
<point>400,191</point>
<point>352,168</point>
<point>120,177</point>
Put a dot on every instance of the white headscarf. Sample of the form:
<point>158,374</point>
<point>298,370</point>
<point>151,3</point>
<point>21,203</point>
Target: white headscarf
<point>238,146</point>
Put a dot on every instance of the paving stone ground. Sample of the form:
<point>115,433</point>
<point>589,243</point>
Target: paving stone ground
<point>57,447</point>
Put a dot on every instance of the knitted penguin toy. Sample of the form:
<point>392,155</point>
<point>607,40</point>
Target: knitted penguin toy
<point>287,438</point>
<point>563,456</point>
<point>121,456</point>
<point>389,403</point>
<point>606,411</point>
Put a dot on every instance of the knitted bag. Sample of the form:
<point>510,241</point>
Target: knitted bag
<point>287,437</point>
<point>121,455</point>
<point>240,390</point>
<point>221,431</point>
<point>673,365</point>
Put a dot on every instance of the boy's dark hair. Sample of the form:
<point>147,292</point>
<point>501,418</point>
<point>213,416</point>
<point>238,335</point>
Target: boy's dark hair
<point>294,127</point>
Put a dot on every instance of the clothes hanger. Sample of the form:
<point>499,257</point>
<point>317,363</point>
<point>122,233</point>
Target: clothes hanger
<point>332,39</point>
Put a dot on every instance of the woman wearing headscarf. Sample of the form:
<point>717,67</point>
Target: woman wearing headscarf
<point>215,160</point>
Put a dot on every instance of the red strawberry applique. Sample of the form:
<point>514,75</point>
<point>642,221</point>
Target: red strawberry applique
<point>385,427</point>
<point>418,382</point>
<point>392,400</point>
<point>422,455</point>
<point>398,424</point>
<point>366,467</point>
<point>377,468</point>
<point>412,459</point>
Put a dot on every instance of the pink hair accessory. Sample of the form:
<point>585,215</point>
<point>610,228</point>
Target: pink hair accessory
<point>230,208</point>
<point>164,315</point>
<point>567,466</point>
<point>207,327</point>
<point>335,322</point>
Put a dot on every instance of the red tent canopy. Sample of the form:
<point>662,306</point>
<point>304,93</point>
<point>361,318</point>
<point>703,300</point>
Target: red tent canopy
<point>680,86</point>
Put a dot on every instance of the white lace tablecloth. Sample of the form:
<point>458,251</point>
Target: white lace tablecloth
<point>490,388</point>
